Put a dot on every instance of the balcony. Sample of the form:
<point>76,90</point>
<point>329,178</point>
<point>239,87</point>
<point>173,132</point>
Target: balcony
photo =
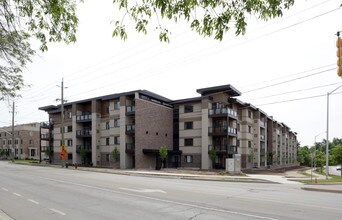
<point>83,133</point>
<point>222,131</point>
<point>224,149</point>
<point>262,137</point>
<point>87,148</point>
<point>46,137</point>
<point>262,124</point>
<point>46,125</point>
<point>83,118</point>
<point>130,110</point>
<point>130,148</point>
<point>222,112</point>
<point>130,129</point>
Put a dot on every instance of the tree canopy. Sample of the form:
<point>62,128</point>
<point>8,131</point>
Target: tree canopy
<point>206,17</point>
<point>56,20</point>
<point>20,21</point>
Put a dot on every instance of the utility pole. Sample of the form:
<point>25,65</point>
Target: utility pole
<point>13,155</point>
<point>62,118</point>
<point>327,144</point>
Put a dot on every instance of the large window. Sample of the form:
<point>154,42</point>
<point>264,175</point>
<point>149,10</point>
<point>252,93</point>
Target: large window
<point>188,142</point>
<point>32,152</point>
<point>117,122</point>
<point>116,105</point>
<point>107,141</point>
<point>117,140</point>
<point>69,128</point>
<point>107,125</point>
<point>188,125</point>
<point>188,108</point>
<point>69,142</point>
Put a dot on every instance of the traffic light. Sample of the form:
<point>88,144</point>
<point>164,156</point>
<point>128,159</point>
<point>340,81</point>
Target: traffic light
<point>63,148</point>
<point>339,56</point>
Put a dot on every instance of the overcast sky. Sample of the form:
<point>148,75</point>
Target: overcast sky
<point>293,57</point>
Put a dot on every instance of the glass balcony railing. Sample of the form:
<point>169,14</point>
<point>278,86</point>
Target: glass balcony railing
<point>231,149</point>
<point>85,132</point>
<point>130,128</point>
<point>222,130</point>
<point>222,111</point>
<point>86,117</point>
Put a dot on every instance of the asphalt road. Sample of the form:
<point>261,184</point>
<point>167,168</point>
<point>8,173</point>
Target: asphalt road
<point>28,192</point>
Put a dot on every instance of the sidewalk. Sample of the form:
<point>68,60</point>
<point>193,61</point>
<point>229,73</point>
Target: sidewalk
<point>288,177</point>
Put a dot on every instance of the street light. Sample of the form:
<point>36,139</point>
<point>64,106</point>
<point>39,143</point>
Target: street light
<point>327,144</point>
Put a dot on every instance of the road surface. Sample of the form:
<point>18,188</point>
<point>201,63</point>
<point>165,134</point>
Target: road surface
<point>29,192</point>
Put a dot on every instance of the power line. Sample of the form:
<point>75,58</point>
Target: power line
<point>300,90</point>
<point>292,100</point>
<point>291,80</point>
<point>286,76</point>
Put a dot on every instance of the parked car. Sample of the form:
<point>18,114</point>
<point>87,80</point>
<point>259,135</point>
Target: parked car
<point>338,167</point>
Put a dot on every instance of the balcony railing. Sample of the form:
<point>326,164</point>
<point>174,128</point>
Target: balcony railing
<point>45,124</point>
<point>130,147</point>
<point>222,131</point>
<point>222,112</point>
<point>262,137</point>
<point>130,128</point>
<point>87,148</point>
<point>47,136</point>
<point>130,109</point>
<point>83,118</point>
<point>84,133</point>
<point>224,149</point>
<point>262,124</point>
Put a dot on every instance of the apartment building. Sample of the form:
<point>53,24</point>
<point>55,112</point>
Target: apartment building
<point>26,140</point>
<point>138,123</point>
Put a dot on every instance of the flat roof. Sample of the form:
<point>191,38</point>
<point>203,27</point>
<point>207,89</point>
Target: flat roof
<point>229,89</point>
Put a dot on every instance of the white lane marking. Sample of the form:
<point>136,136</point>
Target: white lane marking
<point>35,202</point>
<point>163,200</point>
<point>57,211</point>
<point>144,190</point>
<point>4,189</point>
<point>17,194</point>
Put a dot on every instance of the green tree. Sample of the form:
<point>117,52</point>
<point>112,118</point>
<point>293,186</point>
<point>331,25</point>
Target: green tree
<point>116,154</point>
<point>336,153</point>
<point>320,160</point>
<point>20,21</point>
<point>207,18</point>
<point>304,156</point>
<point>163,154</point>
<point>212,155</point>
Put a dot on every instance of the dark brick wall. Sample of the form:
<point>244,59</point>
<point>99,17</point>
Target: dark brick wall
<point>154,127</point>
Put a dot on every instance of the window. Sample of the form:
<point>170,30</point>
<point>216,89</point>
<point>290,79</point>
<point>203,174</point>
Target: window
<point>238,143</point>
<point>188,142</point>
<point>116,105</point>
<point>69,114</point>
<point>16,141</point>
<point>32,152</point>
<point>69,128</point>
<point>30,141</point>
<point>117,122</point>
<point>188,125</point>
<point>107,125</point>
<point>249,144</point>
<point>249,129</point>
<point>107,157</point>
<point>249,114</point>
<point>117,140</point>
<point>21,141</point>
<point>9,142</point>
<point>69,142</point>
<point>188,159</point>
<point>69,156</point>
<point>188,108</point>
<point>107,141</point>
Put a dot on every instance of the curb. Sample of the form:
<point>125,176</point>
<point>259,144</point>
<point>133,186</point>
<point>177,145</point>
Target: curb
<point>321,190</point>
<point>4,216</point>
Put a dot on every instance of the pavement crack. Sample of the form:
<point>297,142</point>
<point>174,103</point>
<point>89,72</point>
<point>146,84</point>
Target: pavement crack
<point>195,216</point>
